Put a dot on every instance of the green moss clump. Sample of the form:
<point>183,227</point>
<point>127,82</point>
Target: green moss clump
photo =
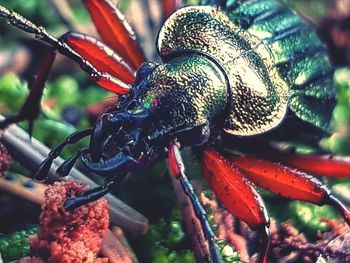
<point>16,245</point>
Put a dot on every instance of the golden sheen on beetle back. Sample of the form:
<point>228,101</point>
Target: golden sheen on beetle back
<point>259,96</point>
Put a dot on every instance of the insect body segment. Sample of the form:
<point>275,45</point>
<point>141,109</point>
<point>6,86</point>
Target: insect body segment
<point>259,96</point>
<point>298,54</point>
<point>185,92</point>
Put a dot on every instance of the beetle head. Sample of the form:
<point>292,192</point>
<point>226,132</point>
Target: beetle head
<point>119,140</point>
<point>165,101</point>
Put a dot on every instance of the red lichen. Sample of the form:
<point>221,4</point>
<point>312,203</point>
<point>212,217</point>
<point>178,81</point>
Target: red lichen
<point>4,160</point>
<point>73,236</point>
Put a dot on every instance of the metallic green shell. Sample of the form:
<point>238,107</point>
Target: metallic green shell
<point>271,57</point>
<point>299,55</point>
<point>175,89</point>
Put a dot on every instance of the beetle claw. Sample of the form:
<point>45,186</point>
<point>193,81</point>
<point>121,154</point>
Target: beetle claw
<point>118,164</point>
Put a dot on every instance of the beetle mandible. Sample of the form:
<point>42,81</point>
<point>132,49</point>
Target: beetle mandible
<point>236,73</point>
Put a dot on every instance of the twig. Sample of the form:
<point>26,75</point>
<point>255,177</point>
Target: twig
<point>34,193</point>
<point>116,249</point>
<point>119,233</point>
<point>30,153</point>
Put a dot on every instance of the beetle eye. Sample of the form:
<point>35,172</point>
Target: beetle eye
<point>144,70</point>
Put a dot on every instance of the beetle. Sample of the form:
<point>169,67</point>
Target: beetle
<point>234,75</point>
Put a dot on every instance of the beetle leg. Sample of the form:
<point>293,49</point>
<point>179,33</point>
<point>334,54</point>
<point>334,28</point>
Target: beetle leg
<point>115,31</point>
<point>31,108</point>
<point>92,194</point>
<point>45,166</point>
<point>105,80</point>
<point>238,195</point>
<point>100,56</point>
<point>320,165</point>
<point>177,168</point>
<point>288,182</point>
<point>65,167</point>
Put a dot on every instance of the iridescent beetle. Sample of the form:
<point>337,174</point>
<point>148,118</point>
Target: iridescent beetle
<point>235,74</point>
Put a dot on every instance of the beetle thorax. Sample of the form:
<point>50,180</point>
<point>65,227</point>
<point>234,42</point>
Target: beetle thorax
<point>183,93</point>
<point>259,96</point>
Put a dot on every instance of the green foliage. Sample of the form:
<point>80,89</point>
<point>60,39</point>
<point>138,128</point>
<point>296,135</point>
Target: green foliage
<point>63,92</point>
<point>229,255</point>
<point>342,188</point>
<point>12,92</point>
<point>339,142</point>
<point>165,239</point>
<point>342,81</point>
<point>67,91</point>
<point>40,12</point>
<point>309,218</point>
<point>16,245</point>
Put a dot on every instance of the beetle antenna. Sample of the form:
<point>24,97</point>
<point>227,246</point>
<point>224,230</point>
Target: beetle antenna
<point>40,33</point>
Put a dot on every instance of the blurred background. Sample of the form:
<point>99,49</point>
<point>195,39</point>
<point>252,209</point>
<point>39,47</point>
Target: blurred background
<point>66,107</point>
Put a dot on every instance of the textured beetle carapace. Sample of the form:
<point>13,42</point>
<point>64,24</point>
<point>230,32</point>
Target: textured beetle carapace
<point>234,76</point>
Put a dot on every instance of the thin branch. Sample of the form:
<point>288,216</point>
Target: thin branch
<point>119,233</point>
<point>34,193</point>
<point>116,249</point>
